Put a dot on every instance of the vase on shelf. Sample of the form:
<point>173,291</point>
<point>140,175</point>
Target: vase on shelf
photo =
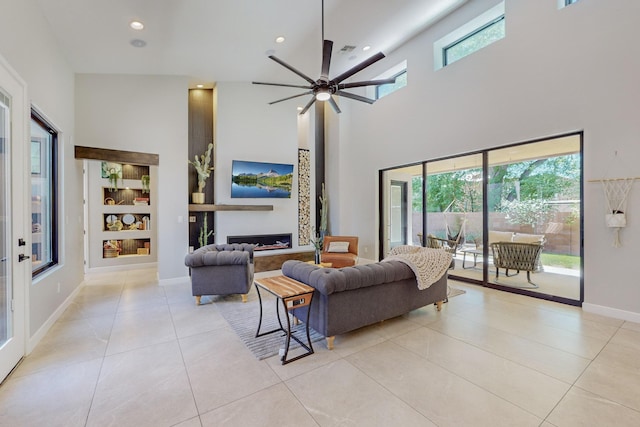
<point>197,198</point>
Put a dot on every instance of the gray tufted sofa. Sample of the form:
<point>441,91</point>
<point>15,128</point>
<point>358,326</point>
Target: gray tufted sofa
<point>221,270</point>
<point>352,297</point>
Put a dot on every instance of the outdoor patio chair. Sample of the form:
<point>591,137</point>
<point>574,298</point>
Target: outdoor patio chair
<point>516,256</point>
<point>450,246</point>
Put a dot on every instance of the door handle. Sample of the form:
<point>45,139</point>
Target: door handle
<point>22,257</point>
<point>3,259</point>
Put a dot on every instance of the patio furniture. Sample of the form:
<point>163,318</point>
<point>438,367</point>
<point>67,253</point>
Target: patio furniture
<point>450,246</point>
<point>437,243</point>
<point>516,256</point>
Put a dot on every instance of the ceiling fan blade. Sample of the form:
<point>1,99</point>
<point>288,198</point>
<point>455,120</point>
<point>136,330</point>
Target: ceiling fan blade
<point>326,59</point>
<point>361,66</point>
<point>334,105</point>
<point>291,97</point>
<point>356,97</point>
<point>306,107</point>
<point>281,84</point>
<point>289,67</point>
<point>367,83</point>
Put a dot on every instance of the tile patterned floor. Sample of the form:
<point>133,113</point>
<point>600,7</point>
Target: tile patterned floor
<point>128,352</point>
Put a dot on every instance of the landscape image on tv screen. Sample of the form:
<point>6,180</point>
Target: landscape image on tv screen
<point>260,180</point>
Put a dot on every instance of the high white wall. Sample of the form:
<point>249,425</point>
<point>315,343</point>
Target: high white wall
<point>147,114</point>
<point>27,43</point>
<point>557,71</point>
<point>247,128</point>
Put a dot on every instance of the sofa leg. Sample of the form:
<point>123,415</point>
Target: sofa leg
<point>295,320</point>
<point>439,305</point>
<point>198,299</point>
<point>244,297</point>
<point>330,342</point>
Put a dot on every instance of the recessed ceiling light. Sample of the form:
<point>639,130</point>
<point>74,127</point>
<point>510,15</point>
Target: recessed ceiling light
<point>279,39</point>
<point>199,86</point>
<point>136,25</point>
<point>299,108</point>
<point>366,48</point>
<point>138,43</point>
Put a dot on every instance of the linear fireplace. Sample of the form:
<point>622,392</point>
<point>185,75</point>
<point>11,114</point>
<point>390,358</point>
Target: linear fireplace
<point>264,242</point>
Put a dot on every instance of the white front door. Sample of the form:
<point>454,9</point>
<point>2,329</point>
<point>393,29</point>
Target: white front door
<point>14,269</point>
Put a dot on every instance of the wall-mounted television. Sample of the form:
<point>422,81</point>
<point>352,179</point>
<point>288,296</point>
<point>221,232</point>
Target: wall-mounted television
<point>260,180</point>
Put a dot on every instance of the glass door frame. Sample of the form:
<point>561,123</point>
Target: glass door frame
<point>18,229</point>
<point>485,218</point>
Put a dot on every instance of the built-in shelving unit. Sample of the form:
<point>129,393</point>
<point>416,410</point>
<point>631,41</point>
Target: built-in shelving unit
<point>200,136</point>
<point>121,217</point>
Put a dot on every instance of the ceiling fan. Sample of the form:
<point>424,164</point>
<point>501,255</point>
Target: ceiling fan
<point>325,88</point>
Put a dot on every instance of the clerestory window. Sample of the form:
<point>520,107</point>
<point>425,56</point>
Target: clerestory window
<point>476,34</point>
<point>401,81</point>
<point>474,41</point>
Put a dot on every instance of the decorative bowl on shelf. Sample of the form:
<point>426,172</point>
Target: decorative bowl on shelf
<point>109,201</point>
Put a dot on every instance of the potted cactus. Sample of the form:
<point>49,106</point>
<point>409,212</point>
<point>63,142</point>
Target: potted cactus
<point>201,164</point>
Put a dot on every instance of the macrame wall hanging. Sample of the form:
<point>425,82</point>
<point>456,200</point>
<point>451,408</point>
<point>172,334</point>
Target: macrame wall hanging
<point>615,195</point>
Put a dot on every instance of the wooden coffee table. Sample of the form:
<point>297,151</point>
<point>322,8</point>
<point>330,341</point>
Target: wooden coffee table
<point>293,295</point>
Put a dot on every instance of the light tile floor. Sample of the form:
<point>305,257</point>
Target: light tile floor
<point>129,352</point>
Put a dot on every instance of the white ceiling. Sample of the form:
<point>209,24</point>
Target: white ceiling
<point>228,40</point>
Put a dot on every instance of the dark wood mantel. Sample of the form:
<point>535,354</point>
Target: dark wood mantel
<point>117,156</point>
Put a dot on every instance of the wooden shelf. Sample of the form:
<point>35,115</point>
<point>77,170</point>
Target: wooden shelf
<point>218,208</point>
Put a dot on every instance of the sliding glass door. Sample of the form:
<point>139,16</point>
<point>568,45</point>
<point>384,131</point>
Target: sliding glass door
<point>454,207</point>
<point>511,216</point>
<point>534,217</point>
<point>401,207</point>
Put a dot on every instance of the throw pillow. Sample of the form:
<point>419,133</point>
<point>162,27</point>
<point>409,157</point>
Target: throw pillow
<point>341,247</point>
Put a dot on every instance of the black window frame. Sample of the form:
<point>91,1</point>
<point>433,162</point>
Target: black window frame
<point>491,23</point>
<point>53,190</point>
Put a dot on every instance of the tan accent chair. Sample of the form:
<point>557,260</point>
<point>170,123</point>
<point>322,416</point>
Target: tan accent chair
<point>340,259</point>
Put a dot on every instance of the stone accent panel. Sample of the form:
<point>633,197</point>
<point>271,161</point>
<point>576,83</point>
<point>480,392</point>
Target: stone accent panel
<point>304,197</point>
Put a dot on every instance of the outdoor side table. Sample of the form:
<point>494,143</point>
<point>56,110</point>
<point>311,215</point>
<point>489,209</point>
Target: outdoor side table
<point>293,295</point>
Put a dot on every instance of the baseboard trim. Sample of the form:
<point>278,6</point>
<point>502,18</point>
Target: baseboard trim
<point>33,340</point>
<point>125,267</point>
<point>629,316</point>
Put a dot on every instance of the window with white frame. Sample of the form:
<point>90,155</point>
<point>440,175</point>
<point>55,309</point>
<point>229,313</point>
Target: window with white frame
<point>476,34</point>
<point>44,225</point>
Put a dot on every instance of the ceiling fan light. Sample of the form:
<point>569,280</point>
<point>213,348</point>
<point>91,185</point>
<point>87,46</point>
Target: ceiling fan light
<point>323,95</point>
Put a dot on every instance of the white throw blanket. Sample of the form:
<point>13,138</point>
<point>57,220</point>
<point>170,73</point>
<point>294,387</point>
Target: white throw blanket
<point>426,263</point>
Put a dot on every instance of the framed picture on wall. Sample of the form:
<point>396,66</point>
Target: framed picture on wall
<point>261,180</point>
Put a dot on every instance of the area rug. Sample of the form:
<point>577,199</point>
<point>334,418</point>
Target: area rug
<point>454,292</point>
<point>243,319</point>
